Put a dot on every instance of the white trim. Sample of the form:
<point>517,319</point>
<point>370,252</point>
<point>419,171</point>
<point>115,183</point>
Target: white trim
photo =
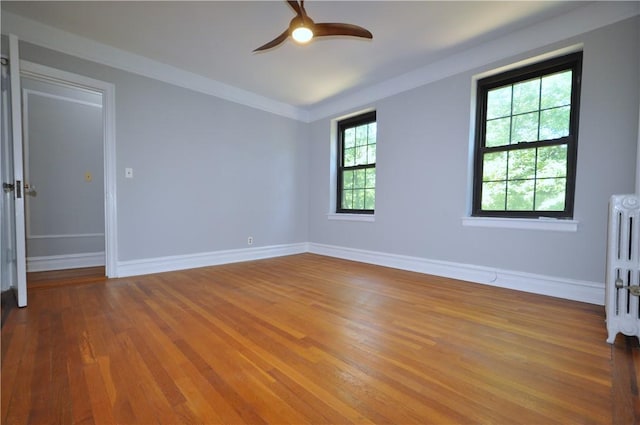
<point>578,290</point>
<point>205,259</point>
<point>59,97</point>
<point>65,42</point>
<point>584,291</point>
<point>543,223</point>
<point>63,262</point>
<point>110,203</point>
<point>351,217</point>
<point>45,73</point>
<point>70,235</point>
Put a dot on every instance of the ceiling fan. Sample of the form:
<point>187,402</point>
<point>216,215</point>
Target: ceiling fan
<point>302,29</point>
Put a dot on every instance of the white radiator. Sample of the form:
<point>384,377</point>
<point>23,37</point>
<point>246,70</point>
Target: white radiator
<point>623,267</point>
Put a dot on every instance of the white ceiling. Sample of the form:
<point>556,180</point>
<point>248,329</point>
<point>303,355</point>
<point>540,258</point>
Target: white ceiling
<point>215,39</point>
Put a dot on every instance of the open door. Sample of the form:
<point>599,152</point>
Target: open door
<point>17,188</point>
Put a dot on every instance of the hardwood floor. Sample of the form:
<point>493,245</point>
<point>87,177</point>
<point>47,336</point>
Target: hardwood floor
<point>310,339</point>
<point>65,277</point>
<point>625,362</point>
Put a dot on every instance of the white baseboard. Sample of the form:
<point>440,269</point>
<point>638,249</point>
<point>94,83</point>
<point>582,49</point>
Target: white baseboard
<point>577,290</point>
<point>191,261</point>
<point>68,261</point>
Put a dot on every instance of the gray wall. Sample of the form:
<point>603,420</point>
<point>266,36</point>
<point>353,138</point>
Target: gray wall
<point>63,141</point>
<point>208,173</point>
<point>422,170</point>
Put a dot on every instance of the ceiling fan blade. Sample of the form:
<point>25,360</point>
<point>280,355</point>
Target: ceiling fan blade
<point>326,29</point>
<point>273,43</point>
<point>295,6</point>
<point>304,12</point>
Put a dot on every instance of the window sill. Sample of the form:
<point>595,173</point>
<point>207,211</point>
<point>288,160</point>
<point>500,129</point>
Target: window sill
<point>551,224</point>
<point>351,217</point>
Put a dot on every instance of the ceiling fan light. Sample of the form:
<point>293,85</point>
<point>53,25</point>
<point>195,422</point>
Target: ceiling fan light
<point>302,34</point>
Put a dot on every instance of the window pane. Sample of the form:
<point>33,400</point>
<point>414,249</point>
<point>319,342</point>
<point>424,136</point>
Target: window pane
<point>361,155</point>
<point>556,90</point>
<point>370,178</point>
<point>370,199</point>
<point>494,166</point>
<point>550,194</point>
<point>358,199</point>
<point>525,128</point>
<point>371,154</point>
<point>554,123</point>
<point>498,132</point>
<point>552,161</point>
<point>526,96</point>
<point>347,199</point>
<point>349,157</point>
<point>499,102</point>
<point>520,195</point>
<point>372,132</point>
<point>347,180</point>
<point>359,178</point>
<point>361,135</point>
<point>349,137</point>
<point>493,196</point>
<point>522,164</point>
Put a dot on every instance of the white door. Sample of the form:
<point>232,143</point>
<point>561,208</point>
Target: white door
<point>18,256</point>
<point>7,200</point>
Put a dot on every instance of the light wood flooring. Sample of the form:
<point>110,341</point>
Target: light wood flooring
<point>59,278</point>
<point>310,339</point>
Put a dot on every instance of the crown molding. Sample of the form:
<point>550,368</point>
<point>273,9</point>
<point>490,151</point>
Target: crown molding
<point>65,42</point>
<point>556,29</point>
<point>562,27</point>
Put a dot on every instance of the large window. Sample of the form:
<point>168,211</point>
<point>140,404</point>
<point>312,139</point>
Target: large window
<point>357,164</point>
<point>526,140</point>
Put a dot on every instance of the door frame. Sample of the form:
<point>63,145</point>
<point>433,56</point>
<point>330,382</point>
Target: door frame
<point>48,74</point>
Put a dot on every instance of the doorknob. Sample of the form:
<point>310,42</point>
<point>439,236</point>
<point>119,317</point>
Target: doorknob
<point>8,187</point>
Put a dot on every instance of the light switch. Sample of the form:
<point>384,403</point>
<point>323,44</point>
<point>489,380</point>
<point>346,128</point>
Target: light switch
<point>128,173</point>
<point>88,177</point>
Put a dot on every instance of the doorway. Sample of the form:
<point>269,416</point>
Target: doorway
<point>69,157</point>
<point>64,176</point>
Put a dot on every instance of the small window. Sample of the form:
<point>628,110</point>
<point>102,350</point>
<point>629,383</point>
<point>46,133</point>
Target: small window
<point>526,140</point>
<point>357,164</point>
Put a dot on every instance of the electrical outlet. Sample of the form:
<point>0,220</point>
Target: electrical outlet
<point>250,240</point>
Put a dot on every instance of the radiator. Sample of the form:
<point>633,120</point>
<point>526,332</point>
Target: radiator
<point>623,267</point>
